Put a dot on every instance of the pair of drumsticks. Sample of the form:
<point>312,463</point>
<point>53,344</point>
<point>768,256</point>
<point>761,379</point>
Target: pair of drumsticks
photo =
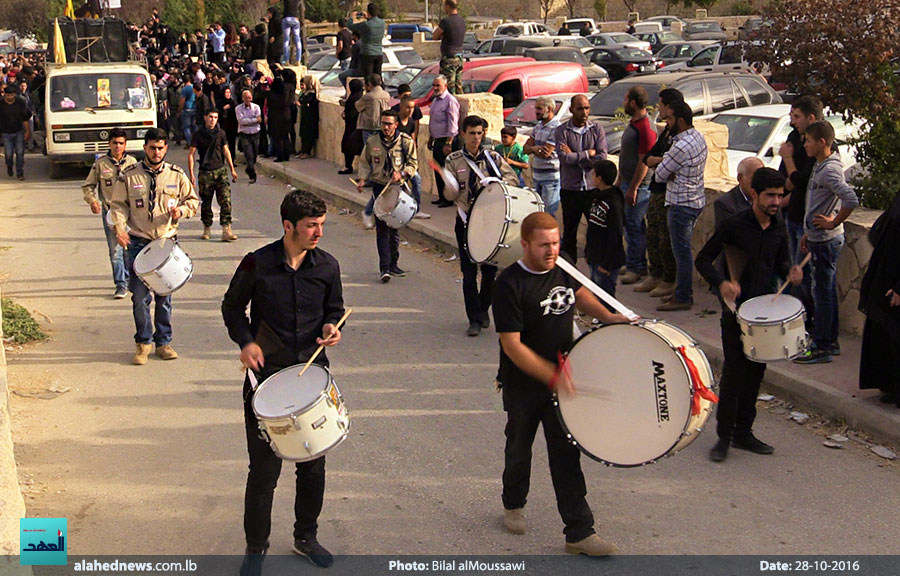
<point>729,259</point>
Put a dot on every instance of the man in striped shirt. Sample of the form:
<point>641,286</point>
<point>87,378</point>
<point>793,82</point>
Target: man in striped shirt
<point>682,169</point>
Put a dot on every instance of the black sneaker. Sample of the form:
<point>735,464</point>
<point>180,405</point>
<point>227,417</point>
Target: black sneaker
<point>474,329</point>
<point>21,176</point>
<point>814,356</point>
<point>835,349</point>
<point>253,561</point>
<point>752,444</point>
<point>316,553</point>
<point>397,271</point>
<point>385,277</point>
<point>345,171</point>
<point>720,451</point>
<point>445,204</point>
<point>486,323</point>
<point>121,292</point>
<point>9,172</point>
<point>252,180</point>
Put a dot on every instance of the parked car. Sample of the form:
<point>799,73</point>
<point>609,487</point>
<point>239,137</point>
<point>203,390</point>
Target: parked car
<point>658,40</point>
<point>470,42</point>
<point>522,29</point>
<point>597,76</point>
<point>404,32</point>
<point>321,38</point>
<point>728,57</point>
<point>421,85</point>
<point>646,27</point>
<point>680,52</point>
<point>667,21</point>
<point>395,58</point>
<point>514,82</point>
<point>404,76</point>
<point>577,25</point>
<point>704,30</point>
<point>615,40</point>
<point>751,28</point>
<point>513,44</point>
<point>524,118</point>
<point>760,130</point>
<point>623,62</point>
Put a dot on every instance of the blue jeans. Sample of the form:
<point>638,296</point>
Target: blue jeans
<point>415,186</point>
<point>803,292</point>
<point>387,239</point>
<point>681,220</point>
<point>605,281</point>
<point>636,230</point>
<point>116,253</point>
<point>825,293</point>
<point>187,124</point>
<point>159,328</point>
<point>290,29</point>
<point>345,64</point>
<point>15,144</point>
<point>549,191</point>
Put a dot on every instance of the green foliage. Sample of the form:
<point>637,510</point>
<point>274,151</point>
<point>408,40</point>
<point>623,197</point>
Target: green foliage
<point>323,11</point>
<point>878,150</point>
<point>18,325</point>
<point>743,8</point>
<point>699,3</point>
<point>600,9</point>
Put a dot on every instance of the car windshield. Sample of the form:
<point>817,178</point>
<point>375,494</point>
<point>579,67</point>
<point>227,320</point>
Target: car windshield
<point>118,91</point>
<point>407,57</point>
<point>705,27</point>
<point>575,41</point>
<point>421,84</point>
<point>508,31</point>
<point>623,38</point>
<point>475,86</point>
<point>746,133</point>
<point>628,53</point>
<point>610,99</point>
<point>326,62</point>
<point>669,37</point>
<point>404,76</point>
<point>330,78</point>
<point>525,115</point>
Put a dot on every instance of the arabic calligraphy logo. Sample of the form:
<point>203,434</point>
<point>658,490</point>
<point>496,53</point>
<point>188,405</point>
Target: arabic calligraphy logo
<point>39,547</point>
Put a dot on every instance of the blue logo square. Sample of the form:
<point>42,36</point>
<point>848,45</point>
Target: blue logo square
<point>43,541</point>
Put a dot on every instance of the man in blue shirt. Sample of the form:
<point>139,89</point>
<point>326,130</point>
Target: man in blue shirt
<point>217,41</point>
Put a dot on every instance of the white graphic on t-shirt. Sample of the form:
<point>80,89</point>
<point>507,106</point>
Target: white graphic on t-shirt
<point>558,301</point>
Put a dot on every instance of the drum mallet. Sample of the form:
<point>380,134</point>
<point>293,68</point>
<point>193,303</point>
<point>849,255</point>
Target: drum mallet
<point>322,346</point>
<point>803,263</point>
<point>598,291</point>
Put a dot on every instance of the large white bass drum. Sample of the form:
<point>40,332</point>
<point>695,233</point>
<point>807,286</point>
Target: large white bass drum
<point>495,222</point>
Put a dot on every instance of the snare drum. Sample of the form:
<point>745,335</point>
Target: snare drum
<point>773,330</point>
<point>302,417</point>
<point>642,391</point>
<point>163,266</point>
<point>395,207</point>
<point>494,225</point>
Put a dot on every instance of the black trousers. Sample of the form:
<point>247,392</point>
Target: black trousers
<point>437,153</point>
<point>386,238</point>
<point>740,382</point>
<point>478,302</point>
<point>575,205</point>
<point>250,145</point>
<point>370,64</point>
<point>265,467</point>
<point>525,409</point>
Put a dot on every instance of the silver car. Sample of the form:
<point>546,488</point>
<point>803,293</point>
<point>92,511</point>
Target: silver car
<point>616,40</point>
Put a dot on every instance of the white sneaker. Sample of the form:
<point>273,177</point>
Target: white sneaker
<point>368,221</point>
<point>422,216</point>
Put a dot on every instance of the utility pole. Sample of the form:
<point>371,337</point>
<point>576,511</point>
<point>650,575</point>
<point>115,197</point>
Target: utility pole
<point>426,12</point>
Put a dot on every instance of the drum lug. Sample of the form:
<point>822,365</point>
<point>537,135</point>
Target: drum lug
<point>512,221</point>
<point>503,245</point>
<point>295,422</point>
<point>264,434</point>
<point>753,351</point>
<point>307,447</point>
<point>319,423</point>
<point>784,329</point>
<point>787,353</point>
<point>749,330</point>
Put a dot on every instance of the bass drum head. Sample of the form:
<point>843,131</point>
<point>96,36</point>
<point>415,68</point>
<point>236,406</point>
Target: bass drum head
<point>632,395</point>
<point>387,201</point>
<point>763,310</point>
<point>283,393</point>
<point>487,222</point>
<point>153,256</point>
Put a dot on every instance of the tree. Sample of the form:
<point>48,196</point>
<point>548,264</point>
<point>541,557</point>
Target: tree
<point>699,3</point>
<point>573,7</point>
<point>545,9</point>
<point>323,11</point>
<point>630,4</point>
<point>600,9</point>
<point>847,56</point>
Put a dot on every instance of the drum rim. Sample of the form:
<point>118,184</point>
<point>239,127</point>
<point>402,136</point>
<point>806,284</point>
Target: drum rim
<point>166,261</point>
<point>320,454</point>
<point>319,398</point>
<point>571,437</point>
<point>781,322</point>
<point>506,222</point>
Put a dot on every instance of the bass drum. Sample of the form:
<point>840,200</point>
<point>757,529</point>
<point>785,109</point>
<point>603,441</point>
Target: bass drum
<point>642,391</point>
<point>495,222</point>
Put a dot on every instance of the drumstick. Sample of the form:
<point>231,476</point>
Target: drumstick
<point>783,286</point>
<point>354,182</point>
<point>729,260</point>
<point>598,291</point>
<point>322,346</point>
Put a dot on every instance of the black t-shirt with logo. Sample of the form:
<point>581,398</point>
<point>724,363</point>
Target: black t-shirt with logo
<point>541,307</point>
<point>346,40</point>
<point>211,147</point>
<point>454,34</point>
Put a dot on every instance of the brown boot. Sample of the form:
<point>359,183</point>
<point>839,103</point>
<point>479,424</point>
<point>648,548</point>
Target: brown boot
<point>206,233</point>
<point>663,289</point>
<point>141,354</point>
<point>647,284</point>
<point>591,546</point>
<point>227,234</point>
<point>514,521</point>
<point>166,352</point>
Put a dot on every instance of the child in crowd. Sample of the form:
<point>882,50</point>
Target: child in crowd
<point>604,248</point>
<point>512,151</point>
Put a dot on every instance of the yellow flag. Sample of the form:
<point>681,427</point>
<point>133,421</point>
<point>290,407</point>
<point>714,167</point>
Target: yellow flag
<point>70,11</point>
<point>59,46</point>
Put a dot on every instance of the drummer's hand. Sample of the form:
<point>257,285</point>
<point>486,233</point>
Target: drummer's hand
<point>803,245</point>
<point>176,213</point>
<point>396,176</point>
<point>330,335</point>
<point>894,296</point>
<point>95,207</point>
<point>447,149</point>
<point>234,175</point>
<point>622,319</point>
<point>796,275</point>
<point>122,239</point>
<point>729,291</point>
<point>252,356</point>
<point>564,385</point>
<point>359,186</point>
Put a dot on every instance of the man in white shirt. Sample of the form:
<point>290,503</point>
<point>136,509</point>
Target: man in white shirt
<point>249,118</point>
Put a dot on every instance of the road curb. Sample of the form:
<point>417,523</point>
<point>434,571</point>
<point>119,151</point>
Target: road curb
<point>806,393</point>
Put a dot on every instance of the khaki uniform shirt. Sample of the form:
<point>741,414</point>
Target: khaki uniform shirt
<point>379,162</point>
<point>104,174</point>
<point>131,200</point>
<point>370,107</point>
<point>460,169</point>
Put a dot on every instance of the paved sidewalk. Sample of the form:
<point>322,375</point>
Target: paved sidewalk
<point>827,389</point>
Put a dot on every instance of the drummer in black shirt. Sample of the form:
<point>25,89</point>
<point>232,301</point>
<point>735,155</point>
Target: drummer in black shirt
<point>295,297</point>
<point>762,238</point>
<point>534,307</point>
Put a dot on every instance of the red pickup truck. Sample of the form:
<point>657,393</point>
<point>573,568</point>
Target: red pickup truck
<point>514,82</point>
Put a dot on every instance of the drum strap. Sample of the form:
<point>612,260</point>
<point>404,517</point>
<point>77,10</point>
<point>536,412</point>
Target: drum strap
<point>699,388</point>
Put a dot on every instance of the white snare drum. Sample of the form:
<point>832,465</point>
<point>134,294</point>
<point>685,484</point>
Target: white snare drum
<point>395,207</point>
<point>494,226</point>
<point>302,417</point>
<point>773,330</point>
<point>642,391</point>
<point>163,266</point>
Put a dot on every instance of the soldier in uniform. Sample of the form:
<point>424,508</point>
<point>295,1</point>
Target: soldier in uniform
<point>215,163</point>
<point>150,198</point>
<point>103,176</point>
<point>388,158</point>
<point>491,165</point>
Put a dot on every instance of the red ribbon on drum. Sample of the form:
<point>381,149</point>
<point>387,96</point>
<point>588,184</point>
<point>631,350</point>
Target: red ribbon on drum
<point>700,389</point>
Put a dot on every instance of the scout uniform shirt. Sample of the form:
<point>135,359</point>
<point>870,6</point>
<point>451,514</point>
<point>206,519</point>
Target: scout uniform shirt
<point>380,160</point>
<point>143,200</point>
<point>104,174</point>
<point>469,184</point>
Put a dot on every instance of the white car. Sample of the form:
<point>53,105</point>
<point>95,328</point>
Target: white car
<point>524,118</point>
<point>396,57</point>
<point>616,40</point>
<point>761,130</point>
<point>522,29</point>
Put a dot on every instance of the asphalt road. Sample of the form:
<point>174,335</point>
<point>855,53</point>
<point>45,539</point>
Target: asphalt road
<point>152,459</point>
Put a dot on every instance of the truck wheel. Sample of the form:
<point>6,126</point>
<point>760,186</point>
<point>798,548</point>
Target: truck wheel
<point>56,170</point>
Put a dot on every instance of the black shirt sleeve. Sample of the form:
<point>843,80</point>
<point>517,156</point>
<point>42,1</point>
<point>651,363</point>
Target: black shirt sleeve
<point>705,261</point>
<point>237,298</point>
<point>334,298</point>
<point>507,306</point>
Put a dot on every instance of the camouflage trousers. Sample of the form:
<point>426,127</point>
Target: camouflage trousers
<point>452,68</point>
<point>215,183</point>
<point>659,247</point>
